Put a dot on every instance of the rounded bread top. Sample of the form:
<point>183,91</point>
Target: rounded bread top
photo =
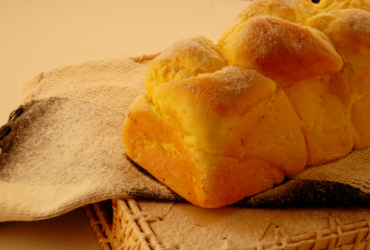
<point>185,58</point>
<point>207,105</point>
<point>329,5</point>
<point>295,11</point>
<point>228,92</point>
<point>281,50</point>
<point>349,31</point>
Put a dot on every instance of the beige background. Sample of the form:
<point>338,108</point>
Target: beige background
<point>37,35</point>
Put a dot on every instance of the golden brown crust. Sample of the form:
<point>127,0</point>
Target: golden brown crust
<point>185,58</point>
<point>349,31</point>
<point>295,11</point>
<point>280,50</point>
<point>329,5</point>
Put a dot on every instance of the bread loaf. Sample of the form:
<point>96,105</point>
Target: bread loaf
<point>286,86</point>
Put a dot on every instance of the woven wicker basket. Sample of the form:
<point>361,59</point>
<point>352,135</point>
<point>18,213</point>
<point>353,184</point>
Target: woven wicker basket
<point>124,224</point>
<point>123,232</point>
<point>131,229</point>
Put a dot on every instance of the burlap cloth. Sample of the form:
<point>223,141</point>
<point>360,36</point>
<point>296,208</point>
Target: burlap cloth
<point>63,149</point>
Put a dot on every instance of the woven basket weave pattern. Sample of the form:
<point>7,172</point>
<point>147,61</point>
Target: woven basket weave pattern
<point>125,230</point>
<point>131,230</point>
<point>100,225</point>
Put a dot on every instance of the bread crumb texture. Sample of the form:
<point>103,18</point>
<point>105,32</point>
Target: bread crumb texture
<point>287,85</point>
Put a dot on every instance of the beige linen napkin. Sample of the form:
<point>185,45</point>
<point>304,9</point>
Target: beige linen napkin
<point>63,149</point>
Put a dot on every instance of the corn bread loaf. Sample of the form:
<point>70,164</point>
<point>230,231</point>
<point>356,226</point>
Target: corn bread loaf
<point>286,86</point>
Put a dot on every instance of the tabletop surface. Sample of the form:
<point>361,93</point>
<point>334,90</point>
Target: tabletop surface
<point>39,35</point>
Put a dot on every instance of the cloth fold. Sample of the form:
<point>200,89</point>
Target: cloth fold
<point>63,149</point>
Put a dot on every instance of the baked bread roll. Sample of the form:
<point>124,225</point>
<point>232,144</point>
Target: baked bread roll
<point>286,86</point>
<point>217,137</point>
<point>329,5</point>
<point>280,50</point>
<point>185,58</point>
<point>295,11</point>
<point>325,119</point>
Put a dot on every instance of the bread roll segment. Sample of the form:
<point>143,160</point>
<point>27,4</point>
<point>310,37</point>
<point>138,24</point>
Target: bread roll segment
<point>349,30</point>
<point>230,134</point>
<point>280,50</point>
<point>208,104</point>
<point>185,58</point>
<point>325,117</point>
<point>271,132</point>
<point>295,11</point>
<point>329,5</point>
<point>152,143</point>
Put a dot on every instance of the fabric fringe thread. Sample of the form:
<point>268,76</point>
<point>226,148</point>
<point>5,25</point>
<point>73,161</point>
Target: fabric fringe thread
<point>6,129</point>
<point>144,58</point>
<point>28,89</point>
